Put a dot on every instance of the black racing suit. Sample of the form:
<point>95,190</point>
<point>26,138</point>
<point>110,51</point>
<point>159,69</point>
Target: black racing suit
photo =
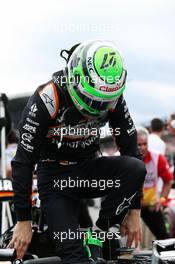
<point>54,134</point>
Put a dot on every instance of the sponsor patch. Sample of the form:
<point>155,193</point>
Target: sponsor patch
<point>49,97</point>
<point>109,89</point>
<point>131,130</point>
<point>27,137</point>
<point>26,146</point>
<point>125,204</point>
<point>32,122</point>
<point>33,110</point>
<point>30,128</point>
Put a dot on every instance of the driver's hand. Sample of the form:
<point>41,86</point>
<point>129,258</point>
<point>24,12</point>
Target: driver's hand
<point>131,227</point>
<point>22,237</point>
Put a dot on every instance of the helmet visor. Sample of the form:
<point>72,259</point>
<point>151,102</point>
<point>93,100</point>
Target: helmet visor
<point>94,104</point>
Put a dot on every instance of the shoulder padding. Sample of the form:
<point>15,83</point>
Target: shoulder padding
<point>49,97</point>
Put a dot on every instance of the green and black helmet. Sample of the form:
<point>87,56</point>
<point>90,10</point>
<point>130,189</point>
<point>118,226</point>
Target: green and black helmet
<point>96,77</point>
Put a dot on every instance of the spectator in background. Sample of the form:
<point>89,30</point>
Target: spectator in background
<point>154,140</point>
<point>12,141</point>
<point>156,166</point>
<point>171,124</point>
<point>171,130</point>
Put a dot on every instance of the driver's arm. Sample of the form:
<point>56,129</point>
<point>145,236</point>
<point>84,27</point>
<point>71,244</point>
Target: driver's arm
<point>35,120</point>
<point>121,121</point>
